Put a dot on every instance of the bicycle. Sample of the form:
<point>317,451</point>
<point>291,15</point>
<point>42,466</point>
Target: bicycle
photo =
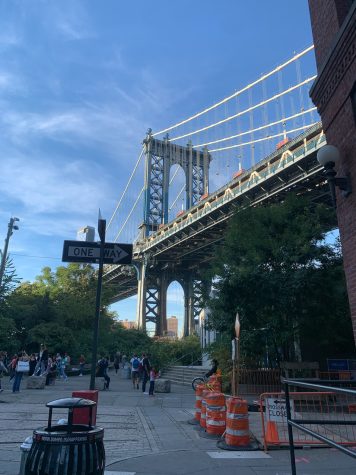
<point>199,380</point>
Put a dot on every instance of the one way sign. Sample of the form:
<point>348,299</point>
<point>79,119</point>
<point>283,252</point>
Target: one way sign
<point>89,252</point>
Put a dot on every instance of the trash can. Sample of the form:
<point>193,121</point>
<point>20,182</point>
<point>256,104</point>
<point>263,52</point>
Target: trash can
<point>81,416</point>
<point>70,449</point>
<point>25,448</point>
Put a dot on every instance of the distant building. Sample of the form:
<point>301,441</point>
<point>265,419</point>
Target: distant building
<point>172,326</point>
<point>127,324</point>
<point>87,233</point>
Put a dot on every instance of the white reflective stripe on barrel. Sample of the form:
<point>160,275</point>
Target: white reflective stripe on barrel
<point>198,398</point>
<point>231,415</point>
<point>197,409</point>
<point>236,432</point>
<point>215,408</point>
<point>213,422</point>
<point>203,416</point>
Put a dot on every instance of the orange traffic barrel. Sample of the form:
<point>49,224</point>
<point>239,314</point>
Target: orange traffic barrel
<point>214,383</point>
<point>198,394</point>
<point>215,413</point>
<point>203,409</point>
<point>237,427</point>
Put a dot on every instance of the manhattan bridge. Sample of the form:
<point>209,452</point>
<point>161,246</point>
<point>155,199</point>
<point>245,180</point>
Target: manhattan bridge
<point>251,147</point>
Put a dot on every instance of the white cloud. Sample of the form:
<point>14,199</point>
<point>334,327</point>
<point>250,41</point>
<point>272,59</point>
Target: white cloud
<point>53,196</point>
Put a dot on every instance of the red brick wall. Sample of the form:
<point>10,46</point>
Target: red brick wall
<point>334,32</point>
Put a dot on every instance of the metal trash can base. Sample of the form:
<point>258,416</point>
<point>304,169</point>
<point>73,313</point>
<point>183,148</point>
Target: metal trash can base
<point>67,449</point>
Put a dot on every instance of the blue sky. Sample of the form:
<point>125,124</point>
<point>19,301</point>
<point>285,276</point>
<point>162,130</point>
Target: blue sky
<point>82,81</point>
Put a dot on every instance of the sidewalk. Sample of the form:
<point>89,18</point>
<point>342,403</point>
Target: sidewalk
<point>151,435</point>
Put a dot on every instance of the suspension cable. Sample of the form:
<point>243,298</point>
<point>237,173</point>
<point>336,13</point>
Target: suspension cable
<point>257,129</point>
<point>129,215</point>
<point>262,78</point>
<point>264,138</point>
<point>177,197</point>
<point>126,187</point>
<point>273,98</point>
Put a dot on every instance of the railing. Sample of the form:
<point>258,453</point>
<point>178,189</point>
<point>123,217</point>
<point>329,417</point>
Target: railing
<point>340,399</point>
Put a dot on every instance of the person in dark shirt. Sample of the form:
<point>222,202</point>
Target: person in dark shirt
<point>33,364</point>
<point>102,370</point>
<point>146,367</point>
<point>213,369</point>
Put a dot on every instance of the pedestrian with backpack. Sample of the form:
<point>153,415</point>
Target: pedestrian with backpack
<point>135,367</point>
<point>146,367</point>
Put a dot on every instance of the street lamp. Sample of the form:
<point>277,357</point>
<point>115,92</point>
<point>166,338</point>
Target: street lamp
<point>11,227</point>
<point>236,357</point>
<point>328,156</point>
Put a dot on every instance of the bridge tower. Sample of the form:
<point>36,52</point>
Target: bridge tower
<point>160,156</point>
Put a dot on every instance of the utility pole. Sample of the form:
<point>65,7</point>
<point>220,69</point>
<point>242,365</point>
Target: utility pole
<point>11,227</point>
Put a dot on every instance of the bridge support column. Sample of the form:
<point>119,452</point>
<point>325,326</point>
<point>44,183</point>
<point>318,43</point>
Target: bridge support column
<point>152,300</point>
<point>141,293</point>
<point>193,302</point>
<point>188,305</point>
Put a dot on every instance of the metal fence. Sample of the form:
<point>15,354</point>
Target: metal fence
<point>257,381</point>
<point>325,414</point>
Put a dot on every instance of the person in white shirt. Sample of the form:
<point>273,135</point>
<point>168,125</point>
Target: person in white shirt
<point>135,368</point>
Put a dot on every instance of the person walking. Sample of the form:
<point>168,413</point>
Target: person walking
<point>146,368</point>
<point>51,371</point>
<point>43,360</point>
<point>81,365</point>
<point>102,370</point>
<point>12,366</point>
<point>19,371</point>
<point>153,376</point>
<point>62,372</point>
<point>32,364</point>
<point>117,359</point>
<point>3,370</point>
<point>135,366</point>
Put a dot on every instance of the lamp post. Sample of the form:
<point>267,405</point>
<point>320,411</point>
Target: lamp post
<point>11,227</point>
<point>236,357</point>
<point>328,156</point>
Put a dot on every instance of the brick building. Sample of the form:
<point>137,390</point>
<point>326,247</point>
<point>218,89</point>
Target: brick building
<point>172,326</point>
<point>334,93</point>
<point>128,324</point>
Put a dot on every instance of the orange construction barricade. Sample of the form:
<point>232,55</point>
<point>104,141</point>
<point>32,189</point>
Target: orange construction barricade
<point>214,383</point>
<point>215,413</point>
<point>198,393</point>
<point>237,426</point>
<point>203,409</point>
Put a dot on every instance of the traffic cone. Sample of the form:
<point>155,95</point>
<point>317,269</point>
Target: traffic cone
<point>272,436</point>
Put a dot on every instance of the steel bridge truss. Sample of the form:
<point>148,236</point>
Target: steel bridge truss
<point>179,250</point>
<point>161,155</point>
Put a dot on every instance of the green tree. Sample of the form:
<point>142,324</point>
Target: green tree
<point>58,309</point>
<point>275,269</point>
<point>9,281</point>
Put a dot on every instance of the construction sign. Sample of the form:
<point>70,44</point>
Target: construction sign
<point>276,409</point>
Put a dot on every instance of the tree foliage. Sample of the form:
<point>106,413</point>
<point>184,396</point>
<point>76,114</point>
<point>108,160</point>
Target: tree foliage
<point>9,281</point>
<point>58,309</point>
<point>276,269</point>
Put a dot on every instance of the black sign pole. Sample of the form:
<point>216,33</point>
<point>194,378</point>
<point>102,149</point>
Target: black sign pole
<point>101,230</point>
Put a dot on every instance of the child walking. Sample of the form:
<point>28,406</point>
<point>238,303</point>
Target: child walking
<point>153,375</point>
